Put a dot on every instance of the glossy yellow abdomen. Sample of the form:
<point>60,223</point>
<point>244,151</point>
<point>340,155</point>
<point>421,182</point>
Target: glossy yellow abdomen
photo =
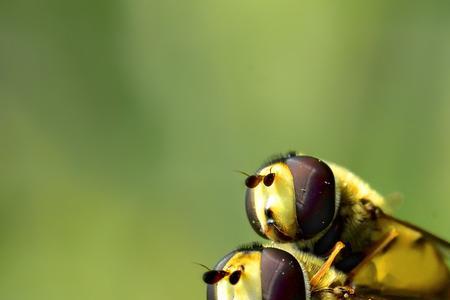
<point>410,265</point>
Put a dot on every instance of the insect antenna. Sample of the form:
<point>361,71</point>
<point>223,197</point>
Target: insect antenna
<point>201,265</point>
<point>242,172</point>
<point>214,276</point>
<point>252,180</point>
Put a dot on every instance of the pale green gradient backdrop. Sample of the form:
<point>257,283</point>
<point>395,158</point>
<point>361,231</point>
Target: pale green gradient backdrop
<point>121,123</point>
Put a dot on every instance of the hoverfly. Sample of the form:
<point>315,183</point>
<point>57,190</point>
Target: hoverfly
<point>282,272</point>
<point>302,199</point>
<point>275,272</point>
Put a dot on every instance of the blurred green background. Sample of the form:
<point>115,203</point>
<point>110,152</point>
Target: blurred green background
<point>121,123</point>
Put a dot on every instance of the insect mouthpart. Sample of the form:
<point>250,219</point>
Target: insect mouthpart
<point>281,236</point>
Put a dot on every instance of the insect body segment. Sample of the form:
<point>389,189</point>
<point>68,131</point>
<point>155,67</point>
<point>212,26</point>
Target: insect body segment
<point>299,203</point>
<point>312,203</point>
<point>264,274</point>
<point>409,265</point>
<point>328,230</point>
<point>275,217</point>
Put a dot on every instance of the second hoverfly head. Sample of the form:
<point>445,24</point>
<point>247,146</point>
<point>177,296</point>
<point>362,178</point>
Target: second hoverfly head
<point>258,274</point>
<point>292,198</point>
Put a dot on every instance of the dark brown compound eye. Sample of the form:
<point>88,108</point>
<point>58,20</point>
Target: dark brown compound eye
<point>269,179</point>
<point>315,194</point>
<point>252,181</point>
<point>234,277</point>
<point>282,276</point>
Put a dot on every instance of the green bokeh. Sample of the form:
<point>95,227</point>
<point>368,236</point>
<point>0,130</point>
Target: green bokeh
<point>121,123</point>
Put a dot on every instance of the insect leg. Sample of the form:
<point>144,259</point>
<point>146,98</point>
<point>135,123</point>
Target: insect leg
<point>326,266</point>
<point>374,250</point>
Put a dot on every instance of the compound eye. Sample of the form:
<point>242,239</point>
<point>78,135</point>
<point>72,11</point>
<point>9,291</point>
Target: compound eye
<point>269,179</point>
<point>315,194</point>
<point>282,276</point>
<point>252,181</point>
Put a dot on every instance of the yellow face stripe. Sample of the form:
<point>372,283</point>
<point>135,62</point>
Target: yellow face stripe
<point>249,285</point>
<point>279,198</point>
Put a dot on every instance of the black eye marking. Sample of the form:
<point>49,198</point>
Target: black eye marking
<point>252,181</point>
<point>214,276</point>
<point>234,277</point>
<point>269,179</point>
